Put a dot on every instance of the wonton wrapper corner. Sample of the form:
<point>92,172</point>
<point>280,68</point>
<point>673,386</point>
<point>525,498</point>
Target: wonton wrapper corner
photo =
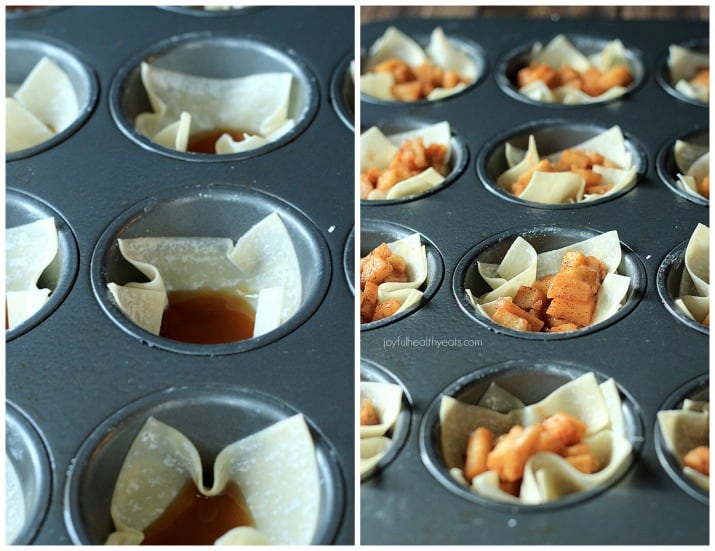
<point>693,163</point>
<point>694,292</point>
<point>282,496</point>
<point>386,398</point>
<point>262,267</point>
<point>684,64</point>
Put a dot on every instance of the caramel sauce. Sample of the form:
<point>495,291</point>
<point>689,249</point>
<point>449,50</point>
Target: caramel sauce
<point>194,519</point>
<point>205,142</point>
<point>207,316</point>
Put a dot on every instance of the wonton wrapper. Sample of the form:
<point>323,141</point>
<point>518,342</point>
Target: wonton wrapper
<point>186,104</point>
<point>547,476</point>
<point>44,105</point>
<point>439,52</point>
<point>694,294</point>
<point>378,151</point>
<point>684,65</point>
<point>522,265</point>
<point>685,429</point>
<point>386,398</point>
<point>29,250</point>
<point>561,51</point>
<point>693,162</point>
<point>282,495</point>
<point>568,187</point>
<point>262,267</point>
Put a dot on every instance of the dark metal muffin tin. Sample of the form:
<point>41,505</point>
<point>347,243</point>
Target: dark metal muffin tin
<point>81,377</point>
<point>439,347</point>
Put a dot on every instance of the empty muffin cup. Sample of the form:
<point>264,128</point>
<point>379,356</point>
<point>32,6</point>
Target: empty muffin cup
<point>458,154</point>
<point>214,55</point>
<point>528,381</point>
<point>665,78</point>
<point>552,136</point>
<point>696,389</point>
<point>375,232</point>
<point>211,210</point>
<point>509,65</point>
<point>211,417</point>
<point>542,238</point>
<point>668,169</point>
<point>342,91</point>
<point>22,208</point>
<point>372,372</point>
<point>28,477</point>
<point>23,51</point>
<point>668,278</point>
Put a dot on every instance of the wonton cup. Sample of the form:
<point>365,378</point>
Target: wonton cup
<point>547,476</point>
<point>29,250</point>
<point>282,496</point>
<point>693,162</point>
<point>522,265</point>
<point>684,64</point>
<point>694,292</point>
<point>44,105</point>
<point>185,105</point>
<point>568,187</point>
<point>439,52</point>
<point>377,150</point>
<point>261,267</point>
<point>685,429</point>
<point>386,398</point>
<point>560,51</point>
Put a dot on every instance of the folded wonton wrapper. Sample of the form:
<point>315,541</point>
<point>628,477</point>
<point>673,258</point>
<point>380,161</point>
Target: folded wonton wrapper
<point>568,187</point>
<point>275,469</point>
<point>439,51</point>
<point>547,476</point>
<point>262,267</point>
<point>186,104</point>
<point>386,398</point>
<point>29,250</point>
<point>378,151</point>
<point>44,105</point>
<point>694,294</point>
<point>693,162</point>
<point>522,265</point>
<point>560,51</point>
<point>685,429</point>
<point>684,65</point>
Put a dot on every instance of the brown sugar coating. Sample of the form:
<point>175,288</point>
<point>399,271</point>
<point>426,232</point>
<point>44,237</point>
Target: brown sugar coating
<point>381,265</point>
<point>413,83</point>
<point>592,81</point>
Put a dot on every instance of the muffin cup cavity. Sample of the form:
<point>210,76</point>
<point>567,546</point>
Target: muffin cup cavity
<point>208,210</point>
<point>219,56</point>
<point>543,238</point>
<point>375,232</point>
<point>551,136</point>
<point>212,417</point>
<point>342,91</point>
<point>23,51</point>
<point>30,456</point>
<point>663,75</point>
<point>530,381</point>
<point>509,65</point>
<point>349,260</point>
<point>668,169</point>
<point>24,12</point>
<point>22,208</point>
<point>216,11</point>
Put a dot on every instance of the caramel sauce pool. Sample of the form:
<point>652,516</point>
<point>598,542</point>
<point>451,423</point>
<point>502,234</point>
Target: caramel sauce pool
<point>205,142</point>
<point>206,316</point>
<point>194,519</point>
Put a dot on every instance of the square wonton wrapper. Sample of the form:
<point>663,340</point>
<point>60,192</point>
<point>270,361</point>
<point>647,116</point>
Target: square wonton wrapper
<point>394,43</point>
<point>186,104</point>
<point>560,51</point>
<point>406,293</point>
<point>262,267</point>
<point>29,251</point>
<point>684,65</point>
<point>522,265</point>
<point>45,104</point>
<point>374,444</point>
<point>694,294</point>
<point>568,187</point>
<point>378,151</point>
<point>283,497</point>
<point>547,476</point>
<point>693,162</point>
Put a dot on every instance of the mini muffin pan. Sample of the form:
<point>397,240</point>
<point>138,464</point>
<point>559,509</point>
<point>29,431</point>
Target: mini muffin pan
<point>84,375</point>
<point>441,348</point>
